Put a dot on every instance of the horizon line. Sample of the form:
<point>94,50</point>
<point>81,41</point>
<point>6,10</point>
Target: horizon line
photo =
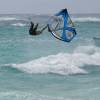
<point>46,13</point>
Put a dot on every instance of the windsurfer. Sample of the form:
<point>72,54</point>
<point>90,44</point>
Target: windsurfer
<point>33,29</point>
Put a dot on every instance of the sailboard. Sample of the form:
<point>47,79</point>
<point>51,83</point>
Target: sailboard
<point>62,27</point>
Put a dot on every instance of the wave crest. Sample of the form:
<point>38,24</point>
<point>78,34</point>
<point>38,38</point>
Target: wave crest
<point>62,63</point>
<point>8,18</point>
<point>86,19</point>
<point>19,24</point>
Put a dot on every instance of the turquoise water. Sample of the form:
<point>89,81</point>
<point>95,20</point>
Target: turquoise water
<point>44,68</point>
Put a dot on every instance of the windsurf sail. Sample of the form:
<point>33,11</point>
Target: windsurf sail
<point>62,26</point>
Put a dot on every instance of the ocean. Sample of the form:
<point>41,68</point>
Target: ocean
<point>45,68</point>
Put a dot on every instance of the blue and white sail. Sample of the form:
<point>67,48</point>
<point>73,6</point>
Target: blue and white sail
<point>63,28</point>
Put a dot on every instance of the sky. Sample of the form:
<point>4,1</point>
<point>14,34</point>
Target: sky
<point>48,6</point>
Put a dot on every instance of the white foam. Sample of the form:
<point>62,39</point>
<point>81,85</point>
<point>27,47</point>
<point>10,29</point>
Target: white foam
<point>63,63</point>
<point>86,19</point>
<point>18,24</point>
<point>7,18</point>
<point>27,95</point>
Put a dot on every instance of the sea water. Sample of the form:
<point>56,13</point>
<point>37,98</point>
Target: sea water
<point>45,68</point>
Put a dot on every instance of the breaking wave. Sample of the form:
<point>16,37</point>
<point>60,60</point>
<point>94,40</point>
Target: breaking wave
<point>8,18</point>
<point>18,24</point>
<point>62,63</point>
<point>86,19</point>
<point>75,19</point>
